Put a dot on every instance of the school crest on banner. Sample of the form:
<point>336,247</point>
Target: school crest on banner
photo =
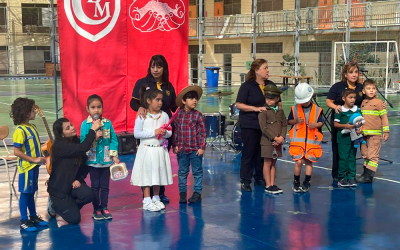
<point>92,19</point>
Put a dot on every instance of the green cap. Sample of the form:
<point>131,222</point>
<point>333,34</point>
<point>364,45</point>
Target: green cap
<point>270,91</point>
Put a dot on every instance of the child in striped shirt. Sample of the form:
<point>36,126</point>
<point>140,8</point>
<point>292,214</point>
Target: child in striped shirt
<point>28,149</point>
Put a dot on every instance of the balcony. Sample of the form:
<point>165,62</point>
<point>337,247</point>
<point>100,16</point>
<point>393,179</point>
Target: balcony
<point>324,19</point>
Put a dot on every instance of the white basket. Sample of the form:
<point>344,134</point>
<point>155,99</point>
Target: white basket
<point>118,171</point>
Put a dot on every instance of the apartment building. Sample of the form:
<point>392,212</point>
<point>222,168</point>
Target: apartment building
<point>227,38</point>
<point>228,30</point>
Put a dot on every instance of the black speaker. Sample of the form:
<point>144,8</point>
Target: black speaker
<point>126,143</point>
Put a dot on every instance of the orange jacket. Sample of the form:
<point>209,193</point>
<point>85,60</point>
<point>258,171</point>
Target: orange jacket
<point>376,120</point>
<point>304,141</point>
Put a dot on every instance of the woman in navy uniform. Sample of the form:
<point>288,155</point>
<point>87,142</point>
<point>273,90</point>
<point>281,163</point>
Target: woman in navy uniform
<point>350,76</point>
<point>157,77</point>
<point>251,101</point>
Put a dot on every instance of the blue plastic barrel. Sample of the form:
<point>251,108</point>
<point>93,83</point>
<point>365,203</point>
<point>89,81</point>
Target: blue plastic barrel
<point>212,74</point>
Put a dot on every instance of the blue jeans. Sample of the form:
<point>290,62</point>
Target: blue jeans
<point>184,160</point>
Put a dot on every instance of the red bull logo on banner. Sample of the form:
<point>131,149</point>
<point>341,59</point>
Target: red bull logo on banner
<point>92,19</point>
<point>148,16</point>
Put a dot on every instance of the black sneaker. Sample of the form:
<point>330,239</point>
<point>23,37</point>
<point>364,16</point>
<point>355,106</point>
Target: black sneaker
<point>50,209</point>
<point>305,187</point>
<point>27,226</point>
<point>246,187</point>
<point>272,190</point>
<point>352,183</point>
<point>182,197</point>
<point>196,197</point>
<point>38,221</point>
<point>97,215</point>
<point>268,189</point>
<point>259,183</point>
<point>106,214</point>
<point>164,199</point>
<point>296,187</point>
<point>279,190</point>
<point>343,183</point>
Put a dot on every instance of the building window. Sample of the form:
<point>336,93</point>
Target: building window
<point>194,49</point>
<point>232,7</point>
<point>227,48</point>
<point>316,46</point>
<point>3,60</point>
<point>36,18</point>
<point>309,3</point>
<point>35,58</point>
<point>269,5</point>
<point>3,16</point>
<point>268,48</point>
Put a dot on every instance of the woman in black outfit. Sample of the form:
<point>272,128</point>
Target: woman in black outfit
<point>250,101</point>
<point>350,76</point>
<point>157,77</point>
<point>67,188</point>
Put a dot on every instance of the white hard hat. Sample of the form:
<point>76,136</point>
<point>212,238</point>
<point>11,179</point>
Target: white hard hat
<point>303,93</point>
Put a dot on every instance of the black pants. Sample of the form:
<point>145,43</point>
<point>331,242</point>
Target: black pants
<point>251,156</point>
<point>100,179</point>
<point>335,148</point>
<point>69,207</point>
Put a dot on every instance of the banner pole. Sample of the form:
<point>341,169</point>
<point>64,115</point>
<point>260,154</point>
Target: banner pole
<point>53,51</point>
<point>200,43</point>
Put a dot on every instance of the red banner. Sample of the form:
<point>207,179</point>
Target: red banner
<point>106,45</point>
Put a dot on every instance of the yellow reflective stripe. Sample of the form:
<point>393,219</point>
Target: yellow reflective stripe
<point>385,128</point>
<point>370,112</point>
<point>383,112</point>
<point>372,132</point>
<point>372,164</point>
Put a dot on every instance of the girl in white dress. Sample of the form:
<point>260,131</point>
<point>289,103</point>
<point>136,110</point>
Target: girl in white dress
<point>152,167</point>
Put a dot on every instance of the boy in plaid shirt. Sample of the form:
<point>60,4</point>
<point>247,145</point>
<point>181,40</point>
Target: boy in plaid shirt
<point>189,142</point>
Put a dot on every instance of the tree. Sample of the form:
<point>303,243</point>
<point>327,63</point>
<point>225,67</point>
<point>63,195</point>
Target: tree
<point>290,63</point>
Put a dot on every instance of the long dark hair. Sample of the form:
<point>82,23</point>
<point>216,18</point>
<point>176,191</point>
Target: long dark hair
<point>21,109</point>
<point>147,93</point>
<point>255,65</point>
<point>58,130</point>
<point>159,60</point>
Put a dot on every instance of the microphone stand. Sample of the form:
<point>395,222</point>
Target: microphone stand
<point>390,104</point>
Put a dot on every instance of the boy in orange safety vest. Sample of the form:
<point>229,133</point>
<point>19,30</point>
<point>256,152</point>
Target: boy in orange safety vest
<point>305,134</point>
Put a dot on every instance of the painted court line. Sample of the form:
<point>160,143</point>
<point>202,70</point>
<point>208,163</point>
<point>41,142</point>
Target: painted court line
<point>379,178</point>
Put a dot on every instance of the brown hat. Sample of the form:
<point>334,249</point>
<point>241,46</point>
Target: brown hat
<point>270,91</point>
<point>186,90</point>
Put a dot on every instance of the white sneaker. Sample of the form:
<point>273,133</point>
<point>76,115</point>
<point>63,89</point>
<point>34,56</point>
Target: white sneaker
<point>150,206</point>
<point>159,204</point>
